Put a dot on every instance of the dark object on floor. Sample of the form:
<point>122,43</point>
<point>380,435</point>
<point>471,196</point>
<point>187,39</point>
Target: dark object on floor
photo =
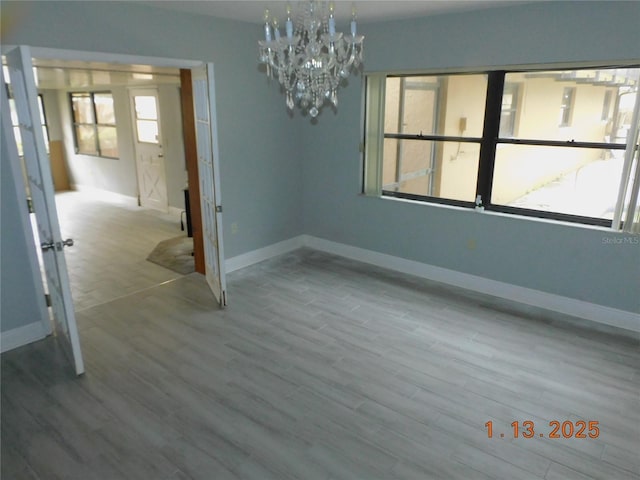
<point>175,254</point>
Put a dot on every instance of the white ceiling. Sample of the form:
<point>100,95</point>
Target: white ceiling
<point>368,10</point>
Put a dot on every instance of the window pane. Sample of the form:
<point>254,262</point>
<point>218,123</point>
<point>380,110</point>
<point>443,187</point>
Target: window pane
<point>85,135</point>
<point>104,108</point>
<point>147,131</point>
<point>45,134</point>
<point>577,181</point>
<point>146,107</point>
<point>41,108</point>
<point>82,108</point>
<point>14,112</point>
<point>437,169</point>
<point>108,141</point>
<point>18,136</point>
<point>566,105</point>
<point>436,105</point>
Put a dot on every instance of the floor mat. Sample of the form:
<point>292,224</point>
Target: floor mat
<point>175,254</point>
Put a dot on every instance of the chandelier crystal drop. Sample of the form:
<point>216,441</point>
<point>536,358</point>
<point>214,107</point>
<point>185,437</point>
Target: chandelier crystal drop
<point>310,60</point>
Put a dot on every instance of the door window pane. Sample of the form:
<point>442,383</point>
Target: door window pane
<point>147,131</point>
<point>18,136</point>
<point>146,107</point>
<point>16,125</point>
<point>14,112</point>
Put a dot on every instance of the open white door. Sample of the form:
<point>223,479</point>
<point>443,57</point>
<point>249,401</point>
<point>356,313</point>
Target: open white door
<point>43,198</point>
<point>208,168</point>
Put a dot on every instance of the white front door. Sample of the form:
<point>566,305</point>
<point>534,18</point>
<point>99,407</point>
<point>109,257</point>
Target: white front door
<point>152,179</point>
<point>38,171</point>
<point>208,168</point>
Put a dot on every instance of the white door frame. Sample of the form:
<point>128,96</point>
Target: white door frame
<point>106,57</point>
<point>19,62</point>
<point>203,83</point>
<point>11,157</point>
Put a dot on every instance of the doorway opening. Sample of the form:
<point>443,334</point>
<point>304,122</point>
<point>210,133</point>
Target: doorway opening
<point>205,111</point>
<point>99,201</point>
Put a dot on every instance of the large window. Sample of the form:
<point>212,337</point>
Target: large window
<point>493,139</point>
<point>94,124</point>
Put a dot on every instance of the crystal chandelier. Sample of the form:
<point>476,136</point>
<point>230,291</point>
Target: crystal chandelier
<point>311,59</point>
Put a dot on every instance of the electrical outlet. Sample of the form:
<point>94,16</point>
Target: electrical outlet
<point>471,244</point>
<point>234,228</point>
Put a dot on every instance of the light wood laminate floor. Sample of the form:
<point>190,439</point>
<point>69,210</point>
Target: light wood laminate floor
<point>112,242</point>
<point>320,368</point>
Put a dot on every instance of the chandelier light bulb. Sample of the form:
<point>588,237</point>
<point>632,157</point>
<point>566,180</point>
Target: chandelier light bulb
<point>314,59</point>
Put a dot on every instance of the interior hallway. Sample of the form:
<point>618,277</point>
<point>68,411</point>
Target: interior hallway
<point>111,243</point>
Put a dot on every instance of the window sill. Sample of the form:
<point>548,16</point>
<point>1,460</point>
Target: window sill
<point>547,221</point>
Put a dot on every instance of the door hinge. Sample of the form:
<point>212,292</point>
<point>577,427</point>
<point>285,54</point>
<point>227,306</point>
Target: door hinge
<point>47,299</point>
<point>218,208</point>
<point>30,205</point>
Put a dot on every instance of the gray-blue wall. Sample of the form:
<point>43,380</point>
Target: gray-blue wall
<point>259,151</point>
<point>573,261</point>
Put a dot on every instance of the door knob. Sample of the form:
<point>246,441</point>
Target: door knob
<point>59,245</point>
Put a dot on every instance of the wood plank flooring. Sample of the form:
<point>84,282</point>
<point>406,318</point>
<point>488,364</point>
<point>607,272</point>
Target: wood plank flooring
<point>321,368</point>
<point>112,242</point>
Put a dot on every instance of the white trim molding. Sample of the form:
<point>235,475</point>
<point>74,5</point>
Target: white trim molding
<point>548,301</point>
<point>527,296</point>
<point>246,259</point>
<point>106,195</point>
<point>17,337</point>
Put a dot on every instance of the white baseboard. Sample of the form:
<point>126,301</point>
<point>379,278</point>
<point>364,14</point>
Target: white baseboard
<point>106,195</point>
<point>246,259</point>
<point>568,306</point>
<point>177,212</point>
<point>20,336</point>
<point>549,301</point>
<point>120,198</point>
